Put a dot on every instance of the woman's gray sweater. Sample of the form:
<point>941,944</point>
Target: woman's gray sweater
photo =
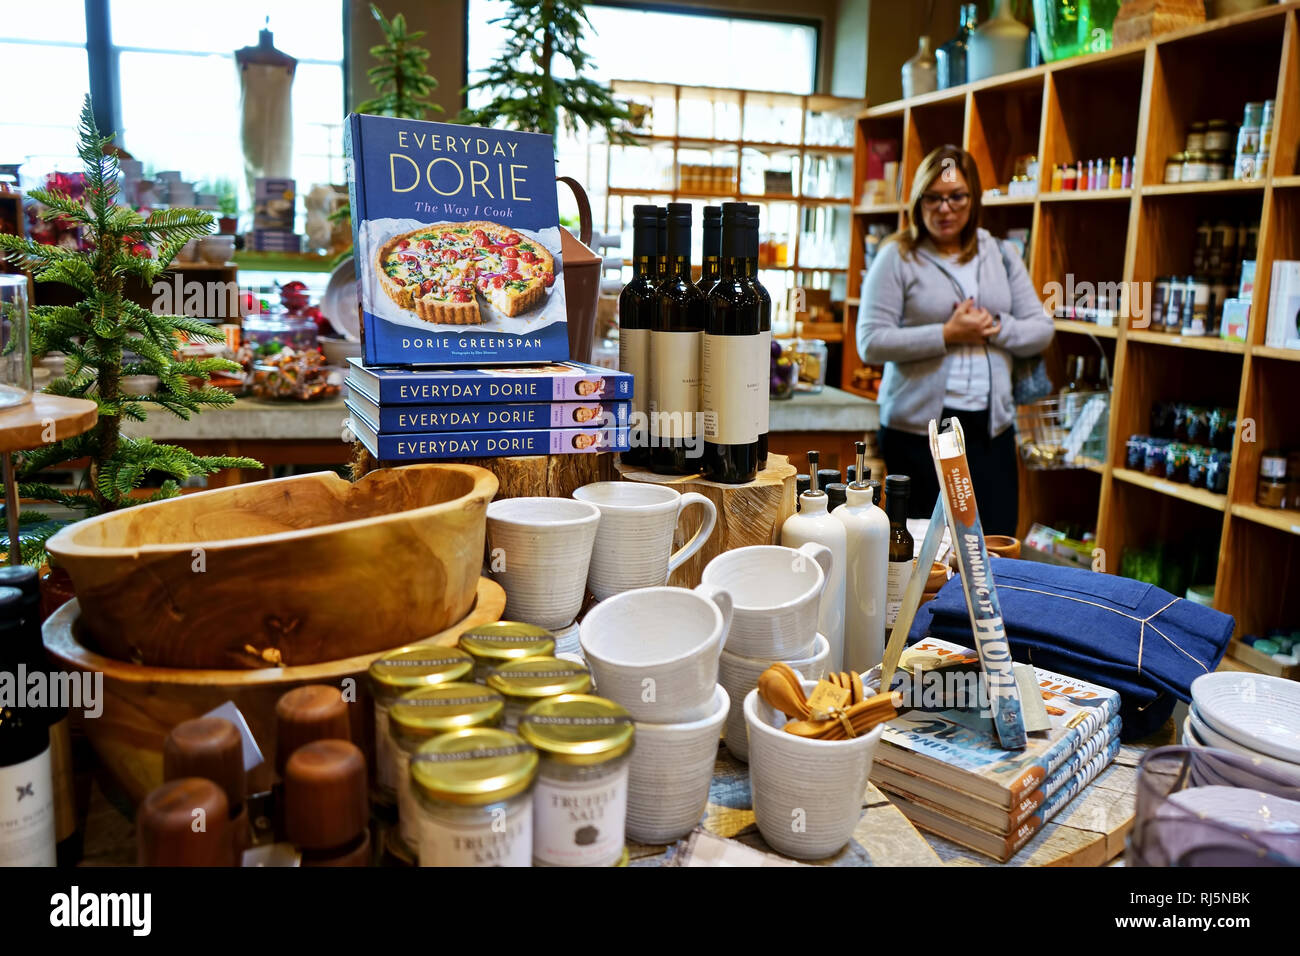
<point>906,301</point>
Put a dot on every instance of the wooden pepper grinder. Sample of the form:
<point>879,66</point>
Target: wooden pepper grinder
<point>210,747</point>
<point>185,822</point>
<point>327,806</point>
<point>304,714</point>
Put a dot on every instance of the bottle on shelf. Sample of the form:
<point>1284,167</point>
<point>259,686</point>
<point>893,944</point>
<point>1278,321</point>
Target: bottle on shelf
<point>812,522</point>
<point>866,531</point>
<point>1126,174</point>
<point>898,489</point>
<point>635,314</point>
<point>680,313</point>
<point>1114,178</point>
<point>1069,178</point>
<point>662,240</point>
<point>27,813</point>
<point>711,261</point>
<point>1071,395</point>
<point>1058,178</point>
<point>763,372</point>
<point>950,59</point>
<point>731,353</point>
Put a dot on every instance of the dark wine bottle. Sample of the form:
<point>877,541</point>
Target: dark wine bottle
<point>680,312</point>
<point>662,241</point>
<point>635,315</point>
<point>764,374</point>
<point>730,352</point>
<point>711,264</point>
<point>27,818</point>
<point>898,488</point>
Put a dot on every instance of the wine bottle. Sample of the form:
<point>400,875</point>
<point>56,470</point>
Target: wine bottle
<point>898,489</point>
<point>730,351</point>
<point>635,313</point>
<point>662,241</point>
<point>66,830</point>
<point>764,371</point>
<point>27,831</point>
<point>711,263</point>
<point>680,312</point>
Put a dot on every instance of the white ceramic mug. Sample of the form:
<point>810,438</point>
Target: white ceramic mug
<point>655,650</point>
<point>777,592</point>
<point>634,543</point>
<point>669,777</point>
<point>739,675</point>
<point>539,550</point>
<point>807,794</point>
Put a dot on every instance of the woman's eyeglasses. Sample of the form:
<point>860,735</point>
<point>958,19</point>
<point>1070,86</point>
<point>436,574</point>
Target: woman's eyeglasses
<point>933,201</point>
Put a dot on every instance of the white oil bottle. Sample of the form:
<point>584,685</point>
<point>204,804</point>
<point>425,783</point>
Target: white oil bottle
<point>812,522</point>
<point>866,572</point>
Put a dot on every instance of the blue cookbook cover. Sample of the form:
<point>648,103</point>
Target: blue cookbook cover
<point>430,446</point>
<point>396,419</point>
<point>557,382</point>
<point>456,231</point>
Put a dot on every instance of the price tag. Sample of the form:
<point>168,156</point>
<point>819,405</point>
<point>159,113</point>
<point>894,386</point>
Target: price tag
<point>827,698</point>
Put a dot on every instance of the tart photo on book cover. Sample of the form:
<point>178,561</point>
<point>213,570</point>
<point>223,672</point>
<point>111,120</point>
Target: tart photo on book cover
<point>457,238</point>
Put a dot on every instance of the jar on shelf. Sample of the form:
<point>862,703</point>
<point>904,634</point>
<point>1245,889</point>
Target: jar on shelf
<point>1195,136</point>
<point>1272,490</point>
<point>1176,462</point>
<point>1218,136</point>
<point>810,356</point>
<point>420,715</point>
<point>500,642</point>
<point>1198,460</point>
<point>580,798</point>
<point>525,682</point>
<point>1222,426</point>
<point>473,794</point>
<point>1154,463</point>
<point>1216,472</point>
<point>269,333</point>
<point>1174,167</point>
<point>15,350</point>
<point>1196,166</point>
<point>405,669</point>
<point>1218,165</point>
<point>1135,452</point>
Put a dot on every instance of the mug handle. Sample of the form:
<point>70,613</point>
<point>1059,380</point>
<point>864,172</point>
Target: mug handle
<point>701,536</point>
<point>722,599</point>
<point>821,554</point>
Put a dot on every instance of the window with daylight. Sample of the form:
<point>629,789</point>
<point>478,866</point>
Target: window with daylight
<point>708,50</point>
<point>43,45</point>
<point>178,86</point>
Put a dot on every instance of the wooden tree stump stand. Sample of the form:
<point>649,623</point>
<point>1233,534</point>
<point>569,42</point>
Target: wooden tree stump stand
<point>747,514</point>
<point>522,476</point>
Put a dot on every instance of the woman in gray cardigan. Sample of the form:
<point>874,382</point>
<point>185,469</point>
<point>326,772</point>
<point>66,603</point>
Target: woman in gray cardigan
<point>946,308</point>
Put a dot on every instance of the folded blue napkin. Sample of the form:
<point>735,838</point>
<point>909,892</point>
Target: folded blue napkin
<point>1121,633</point>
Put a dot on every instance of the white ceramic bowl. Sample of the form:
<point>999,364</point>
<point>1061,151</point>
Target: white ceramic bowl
<point>655,651</point>
<point>777,592</point>
<point>1207,736</point>
<point>217,249</point>
<point>670,772</point>
<point>807,793</point>
<point>1258,711</point>
<point>739,675</point>
<point>338,351</point>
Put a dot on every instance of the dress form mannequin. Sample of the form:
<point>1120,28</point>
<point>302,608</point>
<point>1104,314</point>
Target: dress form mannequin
<point>266,107</point>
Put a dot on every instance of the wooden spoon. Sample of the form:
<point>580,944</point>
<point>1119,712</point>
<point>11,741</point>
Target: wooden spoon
<point>779,688</point>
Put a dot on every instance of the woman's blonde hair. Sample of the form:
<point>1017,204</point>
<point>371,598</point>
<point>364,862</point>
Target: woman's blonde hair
<point>932,167</point>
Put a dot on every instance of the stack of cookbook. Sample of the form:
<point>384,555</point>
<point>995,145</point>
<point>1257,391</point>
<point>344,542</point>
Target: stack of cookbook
<point>946,771</point>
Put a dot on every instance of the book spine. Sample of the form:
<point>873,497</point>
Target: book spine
<point>958,495</point>
<point>1053,804</point>
<point>1089,749</point>
<point>1051,759</point>
<point>404,419</point>
<point>499,444</point>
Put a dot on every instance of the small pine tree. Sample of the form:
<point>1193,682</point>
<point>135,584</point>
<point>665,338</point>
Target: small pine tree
<point>400,79</point>
<point>96,332</point>
<point>526,93</point>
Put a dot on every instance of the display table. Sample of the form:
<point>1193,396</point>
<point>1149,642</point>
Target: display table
<point>830,421</point>
<point>274,433</point>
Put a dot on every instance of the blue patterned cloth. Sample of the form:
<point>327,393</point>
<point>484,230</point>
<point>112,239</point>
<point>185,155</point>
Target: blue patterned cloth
<point>1114,631</point>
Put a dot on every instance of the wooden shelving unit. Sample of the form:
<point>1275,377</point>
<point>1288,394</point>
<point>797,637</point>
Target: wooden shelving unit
<point>1138,100</point>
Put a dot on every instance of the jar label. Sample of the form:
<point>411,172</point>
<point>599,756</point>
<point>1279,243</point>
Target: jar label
<point>580,824</point>
<point>408,811</point>
<point>27,812</point>
<point>502,837</point>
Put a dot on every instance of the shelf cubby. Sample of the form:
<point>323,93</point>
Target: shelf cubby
<point>1094,112</point>
<point>1257,576</point>
<point>930,127</point>
<point>1004,125</point>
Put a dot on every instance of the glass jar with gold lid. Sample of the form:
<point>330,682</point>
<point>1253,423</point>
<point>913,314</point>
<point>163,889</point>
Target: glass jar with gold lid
<point>523,683</point>
<point>500,642</point>
<point>405,669</point>
<point>473,795</point>
<point>417,716</point>
<point>580,797</point>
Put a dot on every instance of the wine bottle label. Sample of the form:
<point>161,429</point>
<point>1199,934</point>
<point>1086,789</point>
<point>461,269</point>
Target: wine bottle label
<point>762,376</point>
<point>900,572</point>
<point>503,837</point>
<point>580,823</point>
<point>634,357</point>
<point>27,812</point>
<point>674,383</point>
<point>728,391</point>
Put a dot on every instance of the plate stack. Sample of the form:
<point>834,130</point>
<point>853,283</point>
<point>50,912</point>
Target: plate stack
<point>1254,715</point>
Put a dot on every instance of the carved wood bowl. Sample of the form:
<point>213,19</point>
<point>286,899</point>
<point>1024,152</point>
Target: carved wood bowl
<point>140,705</point>
<point>291,571</point>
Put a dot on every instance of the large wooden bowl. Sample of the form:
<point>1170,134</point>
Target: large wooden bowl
<point>140,705</point>
<point>290,571</point>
